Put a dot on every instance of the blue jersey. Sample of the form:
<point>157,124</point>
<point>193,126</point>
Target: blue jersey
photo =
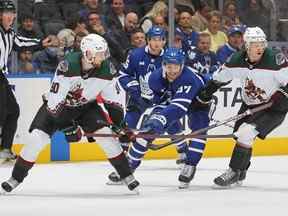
<point>178,95</point>
<point>188,39</point>
<point>225,52</point>
<point>134,74</point>
<point>205,63</point>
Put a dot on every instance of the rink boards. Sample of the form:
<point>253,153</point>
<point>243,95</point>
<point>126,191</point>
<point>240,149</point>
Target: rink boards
<point>29,89</point>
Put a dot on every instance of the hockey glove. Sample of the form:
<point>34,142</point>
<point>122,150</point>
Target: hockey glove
<point>155,124</point>
<point>205,95</point>
<point>73,133</point>
<point>126,136</point>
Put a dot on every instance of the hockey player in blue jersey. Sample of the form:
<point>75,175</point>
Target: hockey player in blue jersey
<point>201,58</point>
<point>175,88</point>
<point>134,74</point>
<point>234,44</point>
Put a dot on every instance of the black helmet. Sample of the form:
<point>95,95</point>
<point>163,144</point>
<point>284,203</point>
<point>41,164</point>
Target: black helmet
<point>7,5</point>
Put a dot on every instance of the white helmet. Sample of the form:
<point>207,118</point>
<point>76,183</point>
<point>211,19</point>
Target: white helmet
<point>254,34</point>
<point>94,46</point>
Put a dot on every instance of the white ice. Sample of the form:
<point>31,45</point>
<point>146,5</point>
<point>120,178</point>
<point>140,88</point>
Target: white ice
<point>79,189</point>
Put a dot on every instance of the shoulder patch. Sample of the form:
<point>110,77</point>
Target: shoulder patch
<point>62,67</point>
<point>280,58</point>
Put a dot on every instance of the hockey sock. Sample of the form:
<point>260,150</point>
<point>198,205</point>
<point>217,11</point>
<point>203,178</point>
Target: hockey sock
<point>21,168</point>
<point>195,151</point>
<point>136,152</point>
<point>240,159</point>
<point>181,146</point>
<point>121,165</point>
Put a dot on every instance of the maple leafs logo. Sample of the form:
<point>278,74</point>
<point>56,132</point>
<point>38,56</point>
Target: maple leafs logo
<point>253,92</point>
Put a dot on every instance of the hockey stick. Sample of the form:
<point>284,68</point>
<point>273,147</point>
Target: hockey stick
<point>202,130</point>
<point>164,136</point>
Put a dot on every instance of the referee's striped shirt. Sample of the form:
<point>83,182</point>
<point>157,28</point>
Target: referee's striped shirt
<point>10,40</point>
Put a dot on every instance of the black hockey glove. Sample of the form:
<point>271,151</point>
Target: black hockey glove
<point>126,136</point>
<point>73,133</point>
<point>205,95</point>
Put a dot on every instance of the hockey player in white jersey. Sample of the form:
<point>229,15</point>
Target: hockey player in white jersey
<point>263,76</point>
<point>78,80</point>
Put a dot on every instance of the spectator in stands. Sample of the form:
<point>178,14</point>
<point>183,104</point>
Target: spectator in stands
<point>199,20</point>
<point>218,38</point>
<point>28,28</point>
<point>137,38</point>
<point>178,39</point>
<point>234,44</point>
<point>160,21</point>
<point>159,8</point>
<point>131,21</point>
<point>116,15</point>
<point>24,63</point>
<point>257,15</point>
<point>90,5</point>
<point>184,26</point>
<point>96,25</point>
<point>46,61</point>
<point>201,58</point>
<point>74,48</point>
<point>69,8</point>
<point>230,16</point>
<point>49,16</point>
<point>74,25</point>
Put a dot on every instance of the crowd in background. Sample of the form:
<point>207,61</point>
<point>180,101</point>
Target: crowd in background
<point>123,23</point>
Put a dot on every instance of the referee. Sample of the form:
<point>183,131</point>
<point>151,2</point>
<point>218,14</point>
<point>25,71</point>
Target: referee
<point>9,108</point>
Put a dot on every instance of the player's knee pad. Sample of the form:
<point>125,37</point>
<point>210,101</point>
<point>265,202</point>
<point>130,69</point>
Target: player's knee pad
<point>110,145</point>
<point>38,140</point>
<point>246,134</point>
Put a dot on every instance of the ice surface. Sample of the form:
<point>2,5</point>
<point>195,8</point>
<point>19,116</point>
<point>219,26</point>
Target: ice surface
<point>79,189</point>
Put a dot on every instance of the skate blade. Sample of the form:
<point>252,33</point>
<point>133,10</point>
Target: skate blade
<point>6,161</point>
<point>114,183</point>
<point>183,186</point>
<point>235,185</point>
<point>136,191</point>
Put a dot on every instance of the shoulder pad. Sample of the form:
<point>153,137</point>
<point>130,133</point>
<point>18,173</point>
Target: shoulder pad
<point>62,67</point>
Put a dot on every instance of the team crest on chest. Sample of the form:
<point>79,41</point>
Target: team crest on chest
<point>254,92</point>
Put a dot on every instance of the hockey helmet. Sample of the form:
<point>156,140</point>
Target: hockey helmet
<point>254,34</point>
<point>94,46</point>
<point>156,31</point>
<point>173,55</point>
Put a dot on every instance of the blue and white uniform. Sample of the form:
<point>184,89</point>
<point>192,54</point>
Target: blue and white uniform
<point>134,75</point>
<point>173,101</point>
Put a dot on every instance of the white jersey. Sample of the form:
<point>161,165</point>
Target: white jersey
<point>70,89</point>
<point>258,82</point>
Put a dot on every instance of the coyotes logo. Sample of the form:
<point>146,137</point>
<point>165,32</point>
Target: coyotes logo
<point>253,92</point>
<point>75,96</point>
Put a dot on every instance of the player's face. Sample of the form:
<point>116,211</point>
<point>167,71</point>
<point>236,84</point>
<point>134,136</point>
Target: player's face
<point>255,51</point>
<point>156,45</point>
<point>8,18</point>
<point>95,58</point>
<point>172,71</point>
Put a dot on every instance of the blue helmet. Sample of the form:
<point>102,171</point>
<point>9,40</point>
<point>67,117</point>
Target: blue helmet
<point>173,55</point>
<point>156,31</point>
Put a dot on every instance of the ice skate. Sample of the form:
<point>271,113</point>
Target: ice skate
<point>9,185</point>
<point>132,184</point>
<point>114,179</point>
<point>227,179</point>
<point>186,175</point>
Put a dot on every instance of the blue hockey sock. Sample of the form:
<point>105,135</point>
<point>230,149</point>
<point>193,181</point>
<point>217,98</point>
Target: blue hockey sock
<point>136,152</point>
<point>195,151</point>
